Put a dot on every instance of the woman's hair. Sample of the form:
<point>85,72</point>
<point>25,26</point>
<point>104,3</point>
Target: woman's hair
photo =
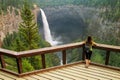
<point>89,39</point>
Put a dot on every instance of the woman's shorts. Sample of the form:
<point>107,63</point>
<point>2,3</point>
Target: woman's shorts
<point>88,55</point>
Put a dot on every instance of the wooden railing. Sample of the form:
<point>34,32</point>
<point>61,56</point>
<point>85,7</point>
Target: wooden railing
<point>19,55</point>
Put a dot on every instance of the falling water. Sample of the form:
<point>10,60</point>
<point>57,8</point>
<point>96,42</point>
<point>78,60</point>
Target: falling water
<point>46,28</point>
<point>47,33</point>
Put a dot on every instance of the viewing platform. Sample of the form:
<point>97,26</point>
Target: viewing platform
<point>66,71</point>
<point>75,71</point>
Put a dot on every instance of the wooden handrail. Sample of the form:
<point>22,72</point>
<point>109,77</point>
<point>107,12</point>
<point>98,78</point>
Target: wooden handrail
<point>56,48</point>
<point>107,47</point>
<point>8,52</point>
<point>47,50</point>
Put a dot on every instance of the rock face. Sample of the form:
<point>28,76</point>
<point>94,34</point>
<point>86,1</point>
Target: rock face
<point>9,21</point>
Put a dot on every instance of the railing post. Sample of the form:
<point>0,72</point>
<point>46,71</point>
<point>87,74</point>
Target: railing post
<point>83,54</point>
<point>64,56</point>
<point>19,65</point>
<point>43,61</point>
<point>2,61</point>
<point>107,57</point>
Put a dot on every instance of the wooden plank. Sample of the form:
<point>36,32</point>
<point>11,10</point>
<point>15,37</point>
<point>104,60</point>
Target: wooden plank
<point>106,70</point>
<point>50,69</point>
<point>72,75</point>
<point>91,73</point>
<point>82,75</point>
<point>8,52</point>
<point>19,65</point>
<point>11,76</point>
<point>59,76</point>
<point>62,77</point>
<point>86,73</point>
<point>102,69</point>
<point>107,57</point>
<point>30,78</point>
<point>64,56</point>
<point>5,78</point>
<point>98,72</point>
<point>50,77</point>
<point>50,49</point>
<point>66,77</point>
<point>2,61</point>
<point>107,47</point>
<point>43,61</point>
<point>20,79</point>
<point>43,77</point>
<point>107,75</point>
<point>83,53</point>
<point>74,72</point>
<point>39,77</point>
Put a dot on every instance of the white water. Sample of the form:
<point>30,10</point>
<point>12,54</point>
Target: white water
<point>47,32</point>
<point>46,28</point>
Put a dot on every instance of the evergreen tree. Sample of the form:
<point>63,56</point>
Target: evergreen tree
<point>27,66</point>
<point>8,40</point>
<point>28,29</point>
<point>17,45</point>
<point>29,34</point>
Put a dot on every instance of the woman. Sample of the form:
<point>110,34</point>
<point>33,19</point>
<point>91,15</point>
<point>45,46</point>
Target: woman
<point>88,50</point>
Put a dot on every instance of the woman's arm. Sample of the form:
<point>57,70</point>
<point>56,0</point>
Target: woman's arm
<point>94,44</point>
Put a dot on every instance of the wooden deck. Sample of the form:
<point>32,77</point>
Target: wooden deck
<point>73,72</point>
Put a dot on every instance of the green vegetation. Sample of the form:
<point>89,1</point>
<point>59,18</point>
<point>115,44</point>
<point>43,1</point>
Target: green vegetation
<point>111,8</point>
<point>74,55</point>
<point>28,29</point>
<point>27,38</point>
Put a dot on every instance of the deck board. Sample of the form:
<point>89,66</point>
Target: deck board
<point>4,75</point>
<point>107,74</point>
<point>39,77</point>
<point>57,75</point>
<point>92,73</point>
<point>86,76</point>
<point>50,77</point>
<point>73,72</point>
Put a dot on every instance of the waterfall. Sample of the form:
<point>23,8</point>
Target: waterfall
<point>47,33</point>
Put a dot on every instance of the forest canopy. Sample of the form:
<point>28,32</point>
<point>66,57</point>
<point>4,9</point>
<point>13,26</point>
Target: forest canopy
<point>111,7</point>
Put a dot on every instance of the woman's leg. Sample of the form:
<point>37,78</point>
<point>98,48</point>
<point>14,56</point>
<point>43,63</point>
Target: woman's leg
<point>90,53</point>
<point>86,59</point>
<point>87,63</point>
